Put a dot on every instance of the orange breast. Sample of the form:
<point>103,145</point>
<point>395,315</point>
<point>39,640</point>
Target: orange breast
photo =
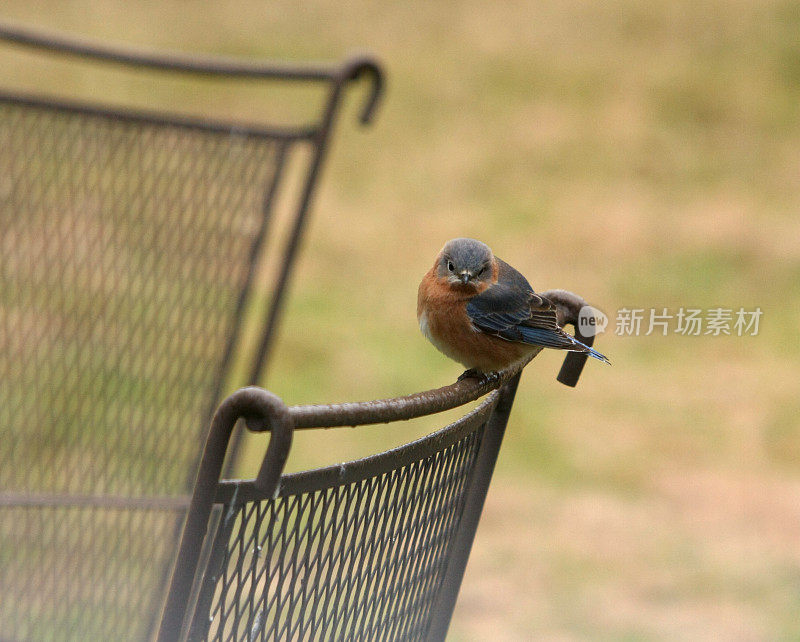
<point>443,319</point>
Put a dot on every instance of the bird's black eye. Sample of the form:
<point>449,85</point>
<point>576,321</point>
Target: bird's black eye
<point>450,266</point>
<point>481,271</point>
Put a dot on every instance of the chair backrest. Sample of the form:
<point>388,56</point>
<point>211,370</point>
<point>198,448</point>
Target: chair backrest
<point>373,549</point>
<point>128,241</point>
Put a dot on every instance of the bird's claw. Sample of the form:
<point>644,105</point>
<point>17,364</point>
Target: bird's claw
<point>484,378</point>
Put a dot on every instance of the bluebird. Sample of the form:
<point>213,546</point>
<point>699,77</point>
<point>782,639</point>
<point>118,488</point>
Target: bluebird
<point>482,313</point>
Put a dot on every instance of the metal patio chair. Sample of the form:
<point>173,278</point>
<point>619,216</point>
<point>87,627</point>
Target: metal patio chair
<point>373,549</point>
<point>128,244</point>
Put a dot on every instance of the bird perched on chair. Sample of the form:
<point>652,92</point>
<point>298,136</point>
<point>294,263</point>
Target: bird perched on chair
<point>481,312</point>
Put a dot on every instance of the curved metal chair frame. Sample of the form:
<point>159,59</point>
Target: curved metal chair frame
<point>373,549</point>
<point>129,239</point>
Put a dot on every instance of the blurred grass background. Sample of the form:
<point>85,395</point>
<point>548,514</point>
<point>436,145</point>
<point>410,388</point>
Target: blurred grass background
<point>643,155</point>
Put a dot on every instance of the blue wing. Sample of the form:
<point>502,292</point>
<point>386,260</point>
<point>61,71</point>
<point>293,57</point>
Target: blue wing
<point>511,310</point>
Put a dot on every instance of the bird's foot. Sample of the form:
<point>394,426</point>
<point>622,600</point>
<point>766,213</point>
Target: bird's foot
<point>483,378</point>
<point>469,374</point>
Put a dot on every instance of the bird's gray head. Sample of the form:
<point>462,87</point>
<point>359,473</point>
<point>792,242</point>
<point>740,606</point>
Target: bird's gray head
<point>465,262</point>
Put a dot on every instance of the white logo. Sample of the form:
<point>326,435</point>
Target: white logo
<point>591,321</point>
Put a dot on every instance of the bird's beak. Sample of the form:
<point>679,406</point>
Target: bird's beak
<point>465,277</point>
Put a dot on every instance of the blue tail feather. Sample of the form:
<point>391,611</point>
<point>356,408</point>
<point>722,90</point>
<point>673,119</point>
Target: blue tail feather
<point>559,340</point>
<point>594,353</point>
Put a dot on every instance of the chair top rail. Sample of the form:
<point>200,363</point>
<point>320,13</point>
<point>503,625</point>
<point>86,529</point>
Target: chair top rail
<point>162,118</point>
<point>411,406</point>
<point>355,67</point>
<point>370,466</point>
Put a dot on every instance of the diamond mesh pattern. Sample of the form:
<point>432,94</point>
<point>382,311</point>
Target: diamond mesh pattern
<point>81,573</point>
<point>125,246</point>
<point>362,560</point>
